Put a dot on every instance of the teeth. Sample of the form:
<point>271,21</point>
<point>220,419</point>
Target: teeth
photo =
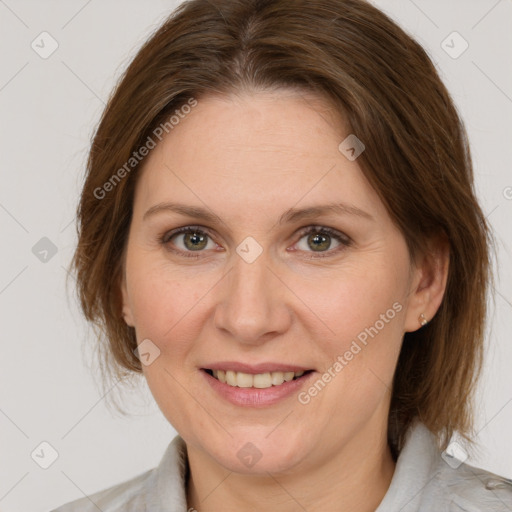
<point>244,380</point>
<point>277,378</point>
<point>288,376</point>
<point>260,380</point>
<point>230,378</point>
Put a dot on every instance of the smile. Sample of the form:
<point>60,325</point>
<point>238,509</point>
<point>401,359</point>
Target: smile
<point>259,380</point>
<point>266,388</point>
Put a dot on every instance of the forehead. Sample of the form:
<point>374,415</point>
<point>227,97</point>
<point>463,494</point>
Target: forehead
<point>253,151</point>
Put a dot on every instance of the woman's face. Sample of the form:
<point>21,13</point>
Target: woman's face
<point>250,287</point>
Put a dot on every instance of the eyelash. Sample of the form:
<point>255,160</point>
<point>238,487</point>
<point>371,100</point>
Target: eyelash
<point>344,240</point>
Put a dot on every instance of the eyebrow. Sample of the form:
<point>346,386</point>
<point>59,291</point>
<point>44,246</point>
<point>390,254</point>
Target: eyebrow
<point>291,215</point>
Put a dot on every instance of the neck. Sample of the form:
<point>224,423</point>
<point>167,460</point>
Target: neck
<point>356,478</point>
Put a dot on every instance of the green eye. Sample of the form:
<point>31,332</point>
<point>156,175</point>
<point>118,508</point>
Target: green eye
<point>193,240</point>
<point>319,240</point>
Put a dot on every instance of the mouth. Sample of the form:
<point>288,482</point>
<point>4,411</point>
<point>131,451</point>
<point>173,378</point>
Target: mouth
<point>258,380</point>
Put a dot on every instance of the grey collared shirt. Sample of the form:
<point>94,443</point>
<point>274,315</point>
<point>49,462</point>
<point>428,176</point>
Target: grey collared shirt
<point>423,481</point>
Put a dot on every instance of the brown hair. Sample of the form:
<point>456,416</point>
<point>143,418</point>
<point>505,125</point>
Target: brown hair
<point>417,158</point>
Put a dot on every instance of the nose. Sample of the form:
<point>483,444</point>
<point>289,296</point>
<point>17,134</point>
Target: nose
<point>253,305</point>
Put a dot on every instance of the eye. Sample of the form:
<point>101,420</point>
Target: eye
<point>189,239</point>
<point>320,240</point>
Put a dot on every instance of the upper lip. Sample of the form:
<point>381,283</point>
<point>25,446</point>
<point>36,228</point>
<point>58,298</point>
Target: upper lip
<point>255,368</point>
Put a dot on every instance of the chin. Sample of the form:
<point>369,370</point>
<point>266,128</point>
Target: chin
<point>259,454</point>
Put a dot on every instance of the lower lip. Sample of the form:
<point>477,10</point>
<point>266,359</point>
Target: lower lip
<point>254,397</point>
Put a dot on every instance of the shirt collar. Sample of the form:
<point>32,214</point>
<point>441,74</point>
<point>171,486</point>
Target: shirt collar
<point>415,468</point>
<point>169,490</point>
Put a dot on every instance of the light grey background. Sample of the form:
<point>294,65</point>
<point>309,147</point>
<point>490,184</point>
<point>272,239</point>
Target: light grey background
<point>48,110</point>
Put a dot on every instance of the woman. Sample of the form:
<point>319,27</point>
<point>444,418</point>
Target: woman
<point>278,228</point>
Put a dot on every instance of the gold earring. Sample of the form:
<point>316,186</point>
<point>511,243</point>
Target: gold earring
<point>422,320</point>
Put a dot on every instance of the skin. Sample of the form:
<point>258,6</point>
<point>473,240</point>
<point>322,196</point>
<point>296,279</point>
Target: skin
<point>248,158</point>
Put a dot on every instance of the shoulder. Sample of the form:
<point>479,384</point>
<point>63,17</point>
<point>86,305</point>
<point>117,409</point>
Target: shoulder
<point>161,488</point>
<point>426,479</point>
<point>470,489</point>
<point>126,496</point>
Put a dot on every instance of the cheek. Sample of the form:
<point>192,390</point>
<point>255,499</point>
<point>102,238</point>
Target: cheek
<point>355,298</point>
<point>363,309</point>
<point>163,299</point>
<point>169,311</point>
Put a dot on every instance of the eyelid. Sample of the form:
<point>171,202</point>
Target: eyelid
<point>318,228</point>
<point>185,229</point>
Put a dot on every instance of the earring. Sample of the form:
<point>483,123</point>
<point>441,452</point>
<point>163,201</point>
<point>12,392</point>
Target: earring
<point>422,319</point>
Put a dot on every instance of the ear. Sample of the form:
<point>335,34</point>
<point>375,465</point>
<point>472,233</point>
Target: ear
<point>126,308</point>
<point>428,283</point>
